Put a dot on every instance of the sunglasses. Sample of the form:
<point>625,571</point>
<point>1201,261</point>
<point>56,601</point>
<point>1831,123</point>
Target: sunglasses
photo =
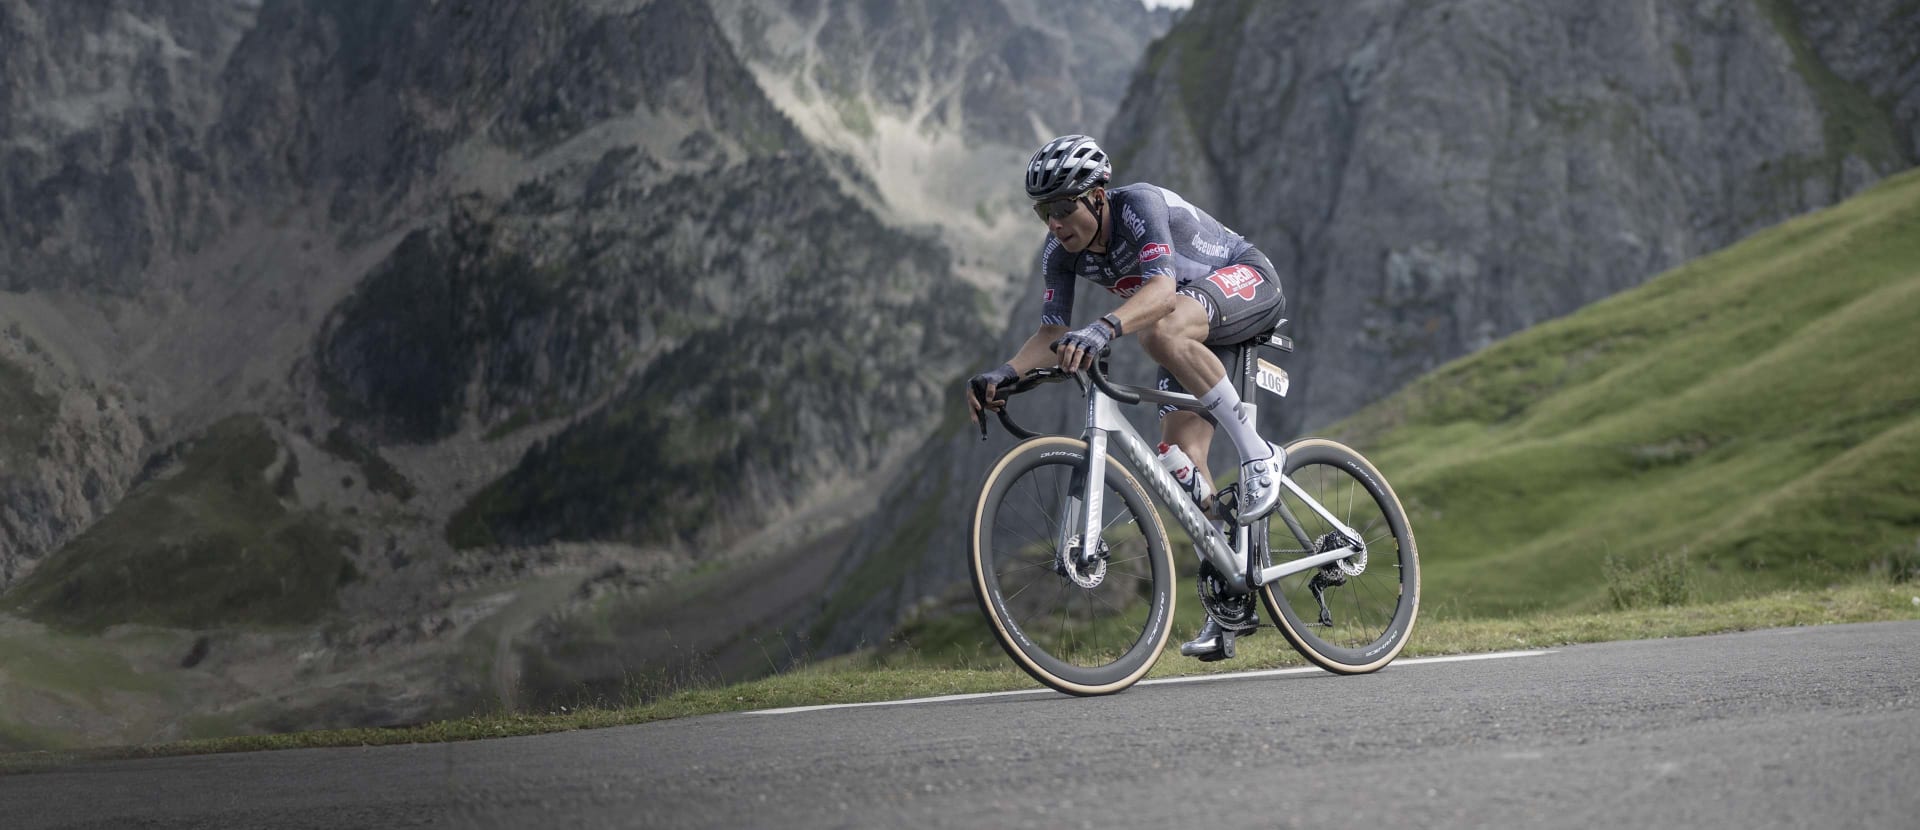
<point>1056,209</point>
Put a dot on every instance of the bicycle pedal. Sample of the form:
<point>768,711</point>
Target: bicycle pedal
<point>1224,652</point>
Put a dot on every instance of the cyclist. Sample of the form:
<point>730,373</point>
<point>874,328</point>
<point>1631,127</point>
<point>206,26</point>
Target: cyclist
<point>1188,282</point>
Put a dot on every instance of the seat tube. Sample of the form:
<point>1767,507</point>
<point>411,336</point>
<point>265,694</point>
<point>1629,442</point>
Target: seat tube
<point>1243,374</point>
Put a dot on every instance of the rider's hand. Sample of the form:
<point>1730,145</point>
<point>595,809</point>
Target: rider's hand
<point>1078,349</point>
<point>982,387</point>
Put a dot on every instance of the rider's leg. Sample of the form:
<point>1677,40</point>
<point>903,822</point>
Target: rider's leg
<point>1178,343</point>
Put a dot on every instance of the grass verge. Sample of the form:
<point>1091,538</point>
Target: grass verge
<point>859,678</point>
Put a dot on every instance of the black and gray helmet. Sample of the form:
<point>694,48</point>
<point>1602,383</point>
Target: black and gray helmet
<point>1066,167</point>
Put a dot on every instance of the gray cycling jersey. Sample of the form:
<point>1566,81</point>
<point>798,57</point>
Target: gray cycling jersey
<point>1154,232</point>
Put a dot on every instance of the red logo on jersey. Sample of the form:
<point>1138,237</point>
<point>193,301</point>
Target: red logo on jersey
<point>1236,281</point>
<point>1149,253</point>
<point>1048,297</point>
<point>1127,286</point>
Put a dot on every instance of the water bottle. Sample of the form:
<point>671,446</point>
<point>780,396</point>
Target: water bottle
<point>1175,461</point>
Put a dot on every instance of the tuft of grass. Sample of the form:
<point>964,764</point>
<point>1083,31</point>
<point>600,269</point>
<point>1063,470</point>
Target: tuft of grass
<point>1662,581</point>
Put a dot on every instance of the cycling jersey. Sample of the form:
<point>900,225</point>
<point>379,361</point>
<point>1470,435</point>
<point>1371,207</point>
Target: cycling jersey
<point>1154,232</point>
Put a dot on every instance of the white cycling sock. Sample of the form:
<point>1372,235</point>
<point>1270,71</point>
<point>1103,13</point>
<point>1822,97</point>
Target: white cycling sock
<point>1224,403</point>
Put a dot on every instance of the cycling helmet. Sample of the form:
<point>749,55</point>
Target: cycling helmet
<point>1067,167</point>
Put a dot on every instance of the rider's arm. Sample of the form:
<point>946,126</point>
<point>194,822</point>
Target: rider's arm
<point>1038,351</point>
<point>1152,302</point>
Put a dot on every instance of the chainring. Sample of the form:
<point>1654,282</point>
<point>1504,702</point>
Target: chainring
<point>1234,612</point>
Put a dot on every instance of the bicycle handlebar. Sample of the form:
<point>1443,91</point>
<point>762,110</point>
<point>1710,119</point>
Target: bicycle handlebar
<point>1100,380</point>
<point>1040,377</point>
<point>1026,382</point>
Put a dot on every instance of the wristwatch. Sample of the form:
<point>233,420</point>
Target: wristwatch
<point>1113,322</point>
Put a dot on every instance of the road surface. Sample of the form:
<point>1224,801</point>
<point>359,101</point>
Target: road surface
<point>1798,727</point>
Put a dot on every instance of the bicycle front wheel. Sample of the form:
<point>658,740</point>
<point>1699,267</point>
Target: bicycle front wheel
<point>1084,626</point>
<point>1352,616</point>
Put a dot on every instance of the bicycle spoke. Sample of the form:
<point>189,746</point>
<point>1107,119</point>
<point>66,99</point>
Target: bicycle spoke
<point>1046,511</point>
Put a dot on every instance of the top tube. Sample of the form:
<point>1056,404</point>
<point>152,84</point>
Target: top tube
<point>1136,394</point>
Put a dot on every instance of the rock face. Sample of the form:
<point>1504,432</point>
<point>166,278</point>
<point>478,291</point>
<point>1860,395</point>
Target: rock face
<point>518,295</point>
<point>1430,177</point>
<point>927,106</point>
<point>103,109</point>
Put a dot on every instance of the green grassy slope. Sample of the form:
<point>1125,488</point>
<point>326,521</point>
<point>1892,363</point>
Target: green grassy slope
<point>210,545</point>
<point>1745,423</point>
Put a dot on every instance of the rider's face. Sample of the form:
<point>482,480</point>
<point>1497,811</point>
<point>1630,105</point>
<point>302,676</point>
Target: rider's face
<point>1075,230</point>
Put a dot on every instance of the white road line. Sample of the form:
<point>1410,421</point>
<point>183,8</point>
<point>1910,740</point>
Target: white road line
<point>1196,678</point>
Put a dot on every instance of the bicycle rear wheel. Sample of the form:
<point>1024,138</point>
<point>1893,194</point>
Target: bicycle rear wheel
<point>1370,601</point>
<point>1084,630</point>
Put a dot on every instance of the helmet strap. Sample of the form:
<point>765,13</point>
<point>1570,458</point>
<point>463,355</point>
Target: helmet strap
<point>1099,221</point>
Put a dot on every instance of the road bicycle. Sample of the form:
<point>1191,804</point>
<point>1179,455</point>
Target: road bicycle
<point>1081,594</point>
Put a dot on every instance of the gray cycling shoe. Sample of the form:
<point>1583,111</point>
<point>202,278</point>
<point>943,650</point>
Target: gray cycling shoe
<point>1214,642</point>
<point>1260,485</point>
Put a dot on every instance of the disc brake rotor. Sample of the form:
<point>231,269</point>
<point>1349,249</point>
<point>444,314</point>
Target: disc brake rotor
<point>1090,572</point>
<point>1339,570</point>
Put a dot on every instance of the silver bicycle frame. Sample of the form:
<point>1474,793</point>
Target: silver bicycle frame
<point>1105,423</point>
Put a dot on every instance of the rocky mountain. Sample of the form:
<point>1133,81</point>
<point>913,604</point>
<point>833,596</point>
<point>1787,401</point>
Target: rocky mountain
<point>1430,177</point>
<point>349,351</point>
<point>367,362</point>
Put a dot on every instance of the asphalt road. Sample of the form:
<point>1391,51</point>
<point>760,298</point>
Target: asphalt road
<point>1802,727</point>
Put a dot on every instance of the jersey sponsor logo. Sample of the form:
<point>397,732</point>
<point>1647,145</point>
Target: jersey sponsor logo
<point>1212,249</point>
<point>1127,286</point>
<point>1237,281</point>
<point>1047,297</point>
<point>1149,253</point>
<point>1133,220</point>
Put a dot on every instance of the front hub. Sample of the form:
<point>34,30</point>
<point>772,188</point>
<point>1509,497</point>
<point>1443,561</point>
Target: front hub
<point>1086,568</point>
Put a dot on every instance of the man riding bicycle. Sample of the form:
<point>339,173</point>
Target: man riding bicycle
<point>1190,284</point>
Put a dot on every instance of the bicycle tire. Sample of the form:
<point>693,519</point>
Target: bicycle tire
<point>1364,636</point>
<point>1004,571</point>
